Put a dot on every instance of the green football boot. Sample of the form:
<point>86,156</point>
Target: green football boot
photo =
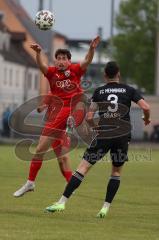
<point>103,212</point>
<point>56,207</point>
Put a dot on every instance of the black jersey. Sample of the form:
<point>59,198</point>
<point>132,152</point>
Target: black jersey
<point>114,100</point>
<point>113,131</point>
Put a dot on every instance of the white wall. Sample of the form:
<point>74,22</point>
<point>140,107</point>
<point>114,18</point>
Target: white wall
<point>13,89</point>
<point>4,40</point>
<point>12,81</point>
<point>33,83</point>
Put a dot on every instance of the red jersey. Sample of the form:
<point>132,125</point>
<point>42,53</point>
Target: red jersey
<point>65,84</point>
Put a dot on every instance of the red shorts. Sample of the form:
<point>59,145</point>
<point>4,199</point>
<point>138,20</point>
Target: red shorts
<point>64,142</point>
<point>56,122</point>
<point>55,127</point>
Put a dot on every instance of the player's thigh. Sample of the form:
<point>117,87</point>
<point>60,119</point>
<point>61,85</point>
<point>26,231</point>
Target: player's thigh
<point>119,152</point>
<point>96,151</point>
<point>61,146</point>
<point>44,143</point>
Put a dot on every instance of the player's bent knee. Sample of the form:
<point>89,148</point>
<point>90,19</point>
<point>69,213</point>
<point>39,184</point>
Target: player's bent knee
<point>40,149</point>
<point>118,164</point>
<point>116,170</point>
<point>84,167</point>
<point>62,160</point>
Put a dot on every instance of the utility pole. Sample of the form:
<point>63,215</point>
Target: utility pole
<point>112,25</point>
<point>99,49</point>
<point>41,5</point>
<point>100,34</point>
<point>50,44</point>
<point>51,5</point>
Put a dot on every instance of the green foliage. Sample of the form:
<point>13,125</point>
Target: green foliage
<point>135,44</point>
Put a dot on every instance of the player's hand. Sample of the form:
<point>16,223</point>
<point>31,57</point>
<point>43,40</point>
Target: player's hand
<point>36,48</point>
<point>41,108</point>
<point>95,42</point>
<point>85,129</point>
<point>146,121</point>
<point>70,122</point>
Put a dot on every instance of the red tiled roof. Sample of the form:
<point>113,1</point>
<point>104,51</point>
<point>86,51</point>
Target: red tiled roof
<point>11,10</point>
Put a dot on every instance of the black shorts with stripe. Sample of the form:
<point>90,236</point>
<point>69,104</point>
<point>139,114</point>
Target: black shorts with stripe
<point>118,148</point>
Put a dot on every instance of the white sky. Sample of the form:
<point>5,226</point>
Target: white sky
<point>77,19</point>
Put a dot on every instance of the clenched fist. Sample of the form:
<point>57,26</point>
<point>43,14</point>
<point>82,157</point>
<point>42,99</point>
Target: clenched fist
<point>36,48</point>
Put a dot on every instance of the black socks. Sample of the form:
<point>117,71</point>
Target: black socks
<point>112,188</point>
<point>74,183</point>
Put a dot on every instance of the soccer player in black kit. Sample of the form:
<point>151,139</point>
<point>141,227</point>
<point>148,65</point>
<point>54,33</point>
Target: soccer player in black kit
<point>113,102</point>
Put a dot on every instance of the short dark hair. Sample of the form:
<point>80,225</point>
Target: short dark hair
<point>63,52</point>
<point>111,69</point>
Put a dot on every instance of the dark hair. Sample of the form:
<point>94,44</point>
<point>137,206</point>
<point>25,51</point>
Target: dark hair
<point>111,69</point>
<point>63,52</point>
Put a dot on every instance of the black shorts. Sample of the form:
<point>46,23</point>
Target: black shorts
<point>118,148</point>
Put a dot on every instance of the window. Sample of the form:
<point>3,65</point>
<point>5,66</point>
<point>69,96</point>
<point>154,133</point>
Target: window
<point>17,78</point>
<point>29,80</point>
<point>10,77</point>
<point>5,76</point>
<point>36,82</point>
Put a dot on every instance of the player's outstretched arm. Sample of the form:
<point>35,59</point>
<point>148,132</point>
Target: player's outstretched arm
<point>146,110</point>
<point>89,57</point>
<point>43,66</point>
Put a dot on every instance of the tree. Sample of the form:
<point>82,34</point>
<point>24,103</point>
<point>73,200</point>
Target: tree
<point>135,44</point>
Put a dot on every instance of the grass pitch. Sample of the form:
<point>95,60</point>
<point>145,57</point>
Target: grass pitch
<point>134,214</point>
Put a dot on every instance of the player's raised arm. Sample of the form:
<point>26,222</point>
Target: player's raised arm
<point>43,66</point>
<point>146,110</point>
<point>89,57</point>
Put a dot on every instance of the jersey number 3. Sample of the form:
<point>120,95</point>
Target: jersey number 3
<point>113,99</point>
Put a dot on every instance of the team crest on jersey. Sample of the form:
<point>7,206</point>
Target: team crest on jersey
<point>57,75</point>
<point>67,73</point>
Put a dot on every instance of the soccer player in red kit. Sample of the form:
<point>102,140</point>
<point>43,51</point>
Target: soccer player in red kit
<point>62,145</point>
<point>59,146</point>
<point>64,80</point>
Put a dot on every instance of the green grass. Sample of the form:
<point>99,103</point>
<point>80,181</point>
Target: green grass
<point>134,214</point>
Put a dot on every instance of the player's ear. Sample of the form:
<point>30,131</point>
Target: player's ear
<point>105,77</point>
<point>118,75</point>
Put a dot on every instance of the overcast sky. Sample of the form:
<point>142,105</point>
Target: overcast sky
<point>77,19</point>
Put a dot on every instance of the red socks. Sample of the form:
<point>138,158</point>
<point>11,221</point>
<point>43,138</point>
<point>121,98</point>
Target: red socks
<point>34,168</point>
<point>67,175</point>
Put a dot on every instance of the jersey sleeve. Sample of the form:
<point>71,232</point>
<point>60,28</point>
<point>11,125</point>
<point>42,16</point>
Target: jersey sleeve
<point>50,72</point>
<point>136,96</point>
<point>78,70</point>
